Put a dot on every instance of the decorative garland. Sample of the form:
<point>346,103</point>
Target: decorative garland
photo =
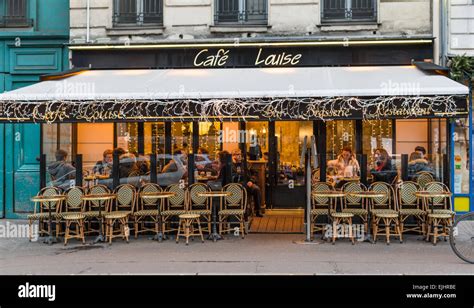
<point>237,109</point>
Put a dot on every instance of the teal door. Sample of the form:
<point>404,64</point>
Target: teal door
<point>21,168</point>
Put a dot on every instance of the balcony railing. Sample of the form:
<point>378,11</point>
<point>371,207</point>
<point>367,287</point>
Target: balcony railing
<point>138,12</point>
<point>14,14</point>
<point>349,10</point>
<point>248,12</point>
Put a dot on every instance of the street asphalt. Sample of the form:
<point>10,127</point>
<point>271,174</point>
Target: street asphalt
<point>256,254</point>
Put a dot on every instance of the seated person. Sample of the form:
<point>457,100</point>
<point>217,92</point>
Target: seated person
<point>104,166</point>
<point>128,165</point>
<point>384,170</point>
<point>418,164</point>
<point>172,165</point>
<point>61,171</point>
<point>346,164</point>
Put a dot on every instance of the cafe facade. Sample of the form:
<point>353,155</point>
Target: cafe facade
<point>154,99</point>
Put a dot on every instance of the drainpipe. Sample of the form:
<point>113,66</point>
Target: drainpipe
<point>88,9</point>
<point>443,22</point>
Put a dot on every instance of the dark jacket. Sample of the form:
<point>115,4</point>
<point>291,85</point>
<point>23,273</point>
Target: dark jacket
<point>61,171</point>
<point>418,165</point>
<point>387,174</point>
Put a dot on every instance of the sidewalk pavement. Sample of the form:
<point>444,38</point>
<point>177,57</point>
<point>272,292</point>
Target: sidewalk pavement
<point>256,254</point>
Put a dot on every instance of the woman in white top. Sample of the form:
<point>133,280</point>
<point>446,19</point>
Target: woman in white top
<point>346,164</point>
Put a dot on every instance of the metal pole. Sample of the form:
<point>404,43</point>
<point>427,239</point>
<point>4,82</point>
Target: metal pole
<point>42,171</point>
<point>79,170</point>
<point>405,167</point>
<point>153,176</point>
<point>308,194</point>
<point>115,171</point>
<point>191,169</point>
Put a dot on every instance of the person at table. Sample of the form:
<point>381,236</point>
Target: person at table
<point>128,165</point>
<point>240,174</point>
<point>104,166</point>
<point>346,164</point>
<point>421,150</point>
<point>416,164</point>
<point>61,171</point>
<point>384,169</point>
<point>172,166</point>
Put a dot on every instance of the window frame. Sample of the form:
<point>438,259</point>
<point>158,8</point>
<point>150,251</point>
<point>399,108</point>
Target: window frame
<point>348,18</point>
<point>242,18</point>
<point>140,15</point>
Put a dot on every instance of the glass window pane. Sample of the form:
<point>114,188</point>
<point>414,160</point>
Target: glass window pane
<point>155,137</point>
<point>340,134</point>
<point>182,137</point>
<point>376,134</point>
<point>209,143</point>
<point>461,156</point>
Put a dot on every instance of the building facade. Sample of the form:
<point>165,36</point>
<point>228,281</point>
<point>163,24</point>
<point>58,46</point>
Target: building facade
<point>33,38</point>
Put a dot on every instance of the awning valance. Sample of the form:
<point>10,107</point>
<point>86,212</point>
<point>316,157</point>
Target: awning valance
<point>253,93</point>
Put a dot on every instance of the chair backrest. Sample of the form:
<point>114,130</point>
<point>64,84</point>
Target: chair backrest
<point>439,201</point>
<point>352,187</point>
<point>50,191</point>
<point>149,203</point>
<point>238,198</point>
<point>406,195</point>
<point>126,196</point>
<point>179,200</point>
<point>74,201</point>
<point>196,201</point>
<point>99,190</point>
<point>388,201</point>
<point>320,202</point>
<point>423,178</point>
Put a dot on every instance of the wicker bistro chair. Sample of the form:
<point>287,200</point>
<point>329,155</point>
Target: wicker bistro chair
<point>319,207</point>
<point>91,208</point>
<point>119,212</point>
<point>147,210</point>
<point>173,206</point>
<point>233,206</point>
<point>409,205</point>
<point>200,205</point>
<point>441,220</point>
<point>384,212</point>
<point>41,212</point>
<point>73,214</point>
<point>423,178</point>
<point>353,204</point>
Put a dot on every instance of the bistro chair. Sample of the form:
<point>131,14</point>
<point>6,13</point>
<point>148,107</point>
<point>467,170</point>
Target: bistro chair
<point>319,207</point>
<point>440,221</point>
<point>199,205</point>
<point>355,205</point>
<point>384,212</point>
<point>340,218</point>
<point>147,210</point>
<point>409,205</point>
<point>233,206</point>
<point>119,212</point>
<point>73,214</point>
<point>42,213</point>
<point>174,206</point>
<point>423,178</point>
<point>91,208</point>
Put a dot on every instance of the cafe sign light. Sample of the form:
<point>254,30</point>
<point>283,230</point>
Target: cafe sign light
<point>220,57</point>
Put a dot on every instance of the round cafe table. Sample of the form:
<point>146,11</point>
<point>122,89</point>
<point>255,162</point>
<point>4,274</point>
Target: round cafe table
<point>332,195</point>
<point>161,195</point>
<point>48,200</point>
<point>93,179</point>
<point>211,195</point>
<point>101,198</point>
<point>366,196</point>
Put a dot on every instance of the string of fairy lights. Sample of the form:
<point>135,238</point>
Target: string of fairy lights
<point>241,109</point>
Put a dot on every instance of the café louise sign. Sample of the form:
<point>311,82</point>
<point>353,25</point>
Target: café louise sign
<point>219,58</point>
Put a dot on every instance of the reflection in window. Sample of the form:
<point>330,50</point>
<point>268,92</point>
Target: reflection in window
<point>55,137</point>
<point>257,140</point>
<point>209,138</point>
<point>461,156</point>
<point>340,134</point>
<point>290,138</point>
<point>155,138</point>
<point>182,134</point>
<point>376,134</point>
<point>127,137</point>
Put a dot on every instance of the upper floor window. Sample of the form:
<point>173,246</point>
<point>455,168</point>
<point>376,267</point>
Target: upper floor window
<point>249,12</point>
<point>14,14</point>
<point>138,12</point>
<point>349,10</point>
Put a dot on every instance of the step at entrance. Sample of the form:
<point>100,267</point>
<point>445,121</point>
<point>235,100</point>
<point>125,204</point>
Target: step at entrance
<point>278,221</point>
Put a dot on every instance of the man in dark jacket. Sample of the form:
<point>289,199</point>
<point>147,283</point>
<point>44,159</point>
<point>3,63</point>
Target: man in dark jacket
<point>61,171</point>
<point>242,175</point>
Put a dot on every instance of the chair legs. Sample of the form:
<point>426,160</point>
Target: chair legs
<point>79,234</point>
<point>124,233</point>
<point>336,222</point>
<point>389,223</point>
<point>437,227</point>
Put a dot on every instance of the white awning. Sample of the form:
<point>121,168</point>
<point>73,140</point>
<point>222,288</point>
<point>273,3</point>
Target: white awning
<point>156,84</point>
